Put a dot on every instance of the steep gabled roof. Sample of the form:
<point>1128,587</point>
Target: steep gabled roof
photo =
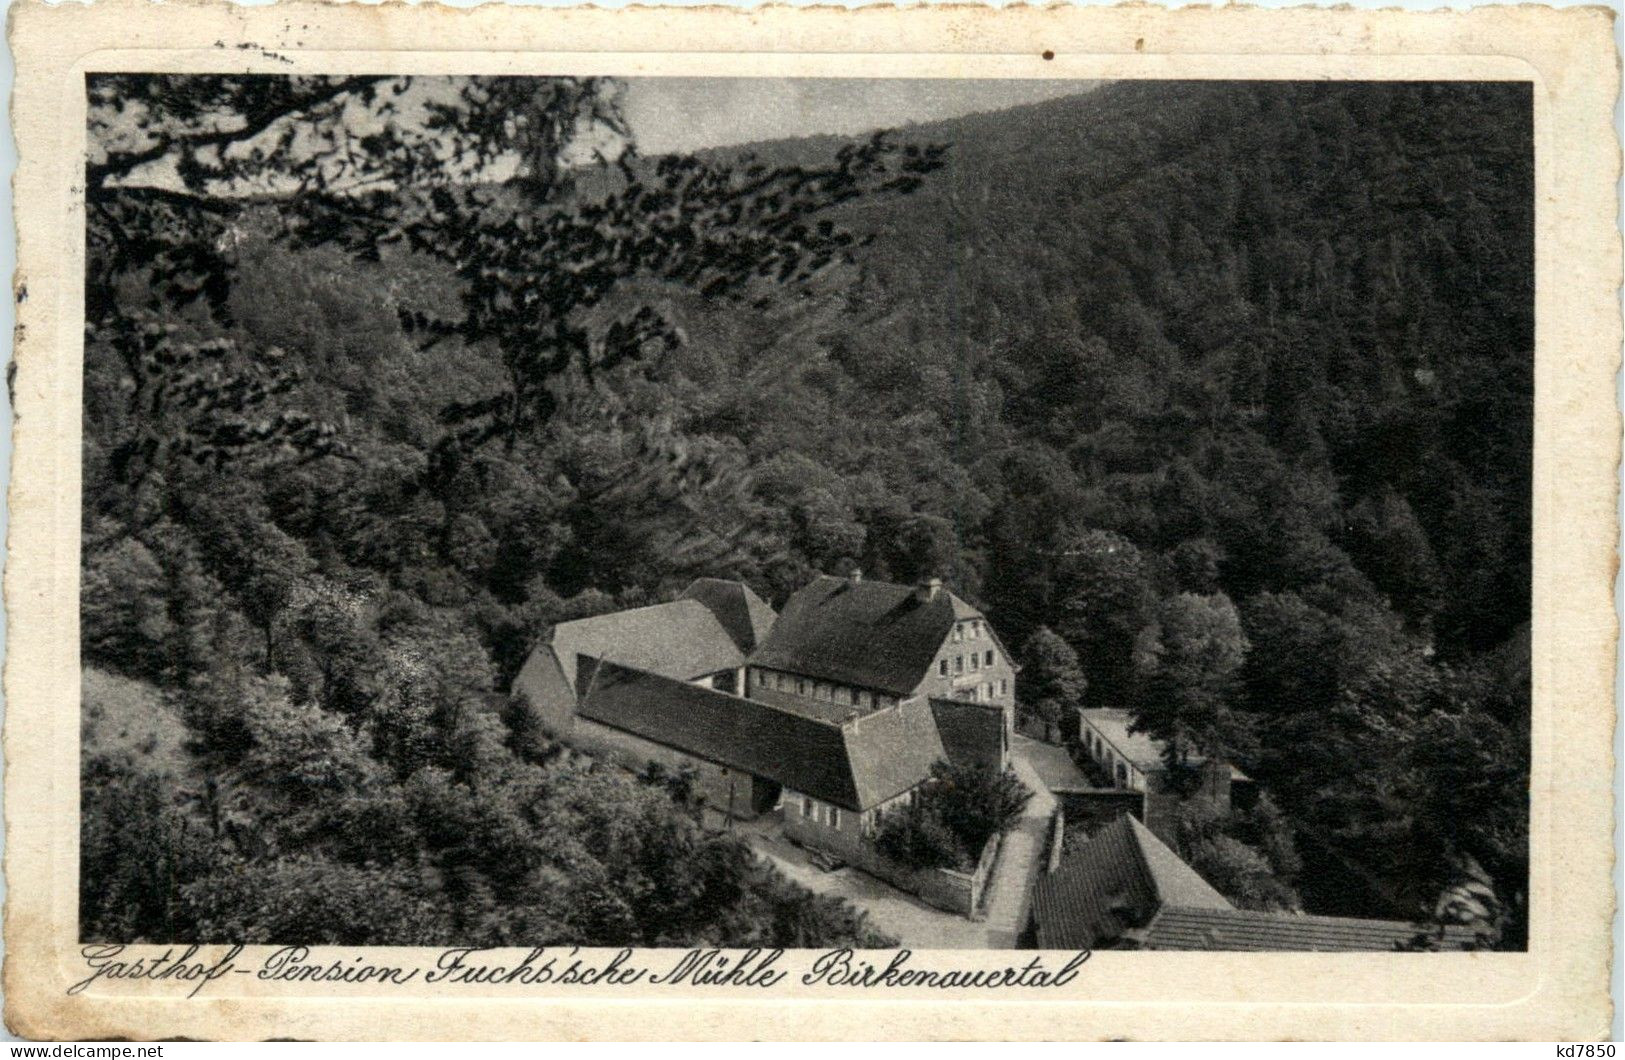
<point>746,616</point>
<point>868,634</point>
<point>1115,883</point>
<point>1242,929</point>
<point>681,639</point>
<point>892,750</point>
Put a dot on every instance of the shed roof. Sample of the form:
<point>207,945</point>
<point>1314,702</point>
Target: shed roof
<point>869,634</point>
<point>682,639</point>
<point>746,616</point>
<point>1140,749</point>
<point>1244,929</point>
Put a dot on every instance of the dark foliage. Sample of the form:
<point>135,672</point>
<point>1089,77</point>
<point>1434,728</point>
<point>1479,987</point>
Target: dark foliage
<point>954,815</point>
<point>1227,385</point>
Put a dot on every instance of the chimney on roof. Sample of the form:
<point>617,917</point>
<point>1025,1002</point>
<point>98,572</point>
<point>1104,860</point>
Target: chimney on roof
<point>927,590</point>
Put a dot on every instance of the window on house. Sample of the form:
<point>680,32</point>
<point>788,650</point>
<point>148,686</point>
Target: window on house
<point>989,659</point>
<point>801,687</point>
<point>806,806</point>
<point>1122,775</point>
<point>975,661</point>
<point>864,699</point>
<point>959,664</point>
<point>942,666</point>
<point>835,817</point>
<point>1004,685</point>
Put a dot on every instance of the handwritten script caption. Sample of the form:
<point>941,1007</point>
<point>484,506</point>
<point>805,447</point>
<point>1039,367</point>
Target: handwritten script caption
<point>193,971</point>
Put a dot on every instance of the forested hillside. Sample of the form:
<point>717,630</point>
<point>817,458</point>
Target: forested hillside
<point>1229,385</point>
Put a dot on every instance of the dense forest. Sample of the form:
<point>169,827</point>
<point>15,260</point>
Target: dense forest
<point>1222,390</point>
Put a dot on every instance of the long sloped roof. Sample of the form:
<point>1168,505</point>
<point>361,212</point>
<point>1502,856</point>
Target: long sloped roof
<point>1242,929</point>
<point>798,752</point>
<point>869,634</point>
<point>855,765</point>
<point>1140,748</point>
<point>681,639</point>
<point>746,616</point>
<point>1115,883</point>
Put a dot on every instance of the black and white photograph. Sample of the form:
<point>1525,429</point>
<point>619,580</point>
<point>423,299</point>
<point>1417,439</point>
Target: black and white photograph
<point>806,513</point>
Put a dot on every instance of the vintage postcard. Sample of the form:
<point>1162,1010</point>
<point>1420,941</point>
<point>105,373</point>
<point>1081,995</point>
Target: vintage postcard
<point>950,523</point>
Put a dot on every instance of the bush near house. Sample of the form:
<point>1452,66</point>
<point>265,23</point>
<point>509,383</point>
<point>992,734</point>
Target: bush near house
<point>958,810</point>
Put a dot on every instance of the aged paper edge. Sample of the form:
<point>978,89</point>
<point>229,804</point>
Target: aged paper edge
<point>1558,990</point>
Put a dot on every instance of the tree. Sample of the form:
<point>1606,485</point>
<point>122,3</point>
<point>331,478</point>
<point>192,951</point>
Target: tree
<point>918,838</point>
<point>1194,565</point>
<point>138,848</point>
<point>1051,681</point>
<point>1190,665</point>
<point>1210,841</point>
<point>532,258</point>
<point>974,802</point>
<point>1105,599</point>
<point>1391,546</point>
<point>124,617</point>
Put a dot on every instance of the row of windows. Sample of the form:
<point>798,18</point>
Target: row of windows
<point>977,661</point>
<point>823,691</point>
<point>1097,748</point>
<point>822,812</point>
<point>983,693</point>
<point>970,630</point>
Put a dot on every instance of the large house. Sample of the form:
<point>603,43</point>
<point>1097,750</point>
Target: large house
<point>831,713</point>
<point>1125,889</point>
<point>866,645</point>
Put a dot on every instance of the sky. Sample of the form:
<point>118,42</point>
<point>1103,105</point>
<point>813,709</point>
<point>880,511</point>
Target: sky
<point>670,114</point>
